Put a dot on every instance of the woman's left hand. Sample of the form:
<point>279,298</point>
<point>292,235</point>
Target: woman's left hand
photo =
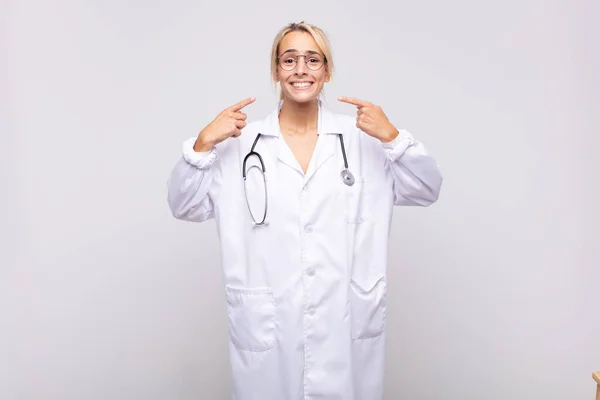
<point>372,120</point>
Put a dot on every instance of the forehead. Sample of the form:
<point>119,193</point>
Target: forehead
<point>299,41</point>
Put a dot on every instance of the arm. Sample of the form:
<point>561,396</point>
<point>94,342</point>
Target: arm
<point>190,183</point>
<point>415,173</point>
<point>197,176</point>
<point>416,176</point>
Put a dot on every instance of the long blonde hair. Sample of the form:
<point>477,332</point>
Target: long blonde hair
<point>319,37</point>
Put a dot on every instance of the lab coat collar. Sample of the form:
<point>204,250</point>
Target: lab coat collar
<point>327,129</point>
<point>326,124</point>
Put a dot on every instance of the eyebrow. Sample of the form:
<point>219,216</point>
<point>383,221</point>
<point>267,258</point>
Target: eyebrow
<point>294,50</point>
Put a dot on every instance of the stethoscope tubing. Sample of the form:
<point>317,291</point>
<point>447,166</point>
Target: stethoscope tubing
<point>345,174</point>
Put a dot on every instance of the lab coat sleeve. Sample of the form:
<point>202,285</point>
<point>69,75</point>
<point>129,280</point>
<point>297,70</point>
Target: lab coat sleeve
<point>192,180</point>
<point>416,176</point>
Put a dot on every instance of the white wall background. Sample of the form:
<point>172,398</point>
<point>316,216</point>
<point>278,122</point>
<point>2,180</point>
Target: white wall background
<point>494,291</point>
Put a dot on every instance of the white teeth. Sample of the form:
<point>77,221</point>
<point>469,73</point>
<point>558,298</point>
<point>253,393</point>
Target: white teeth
<point>302,84</point>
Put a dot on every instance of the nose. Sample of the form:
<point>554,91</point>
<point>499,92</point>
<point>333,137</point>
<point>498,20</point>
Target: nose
<point>301,66</point>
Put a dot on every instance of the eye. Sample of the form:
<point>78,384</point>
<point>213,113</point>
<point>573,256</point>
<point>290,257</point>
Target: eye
<point>289,60</point>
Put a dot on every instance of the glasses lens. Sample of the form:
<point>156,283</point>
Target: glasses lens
<point>288,63</point>
<point>314,62</point>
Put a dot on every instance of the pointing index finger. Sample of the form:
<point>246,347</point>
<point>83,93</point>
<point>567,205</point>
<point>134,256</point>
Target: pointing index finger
<point>238,106</point>
<point>351,100</point>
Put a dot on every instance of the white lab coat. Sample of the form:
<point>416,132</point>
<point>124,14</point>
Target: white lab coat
<point>306,293</point>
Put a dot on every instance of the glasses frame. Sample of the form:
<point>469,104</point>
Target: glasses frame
<point>305,63</point>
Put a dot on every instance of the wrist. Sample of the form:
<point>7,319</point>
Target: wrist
<point>390,135</point>
<point>201,145</point>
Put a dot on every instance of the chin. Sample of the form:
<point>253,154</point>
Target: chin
<point>301,98</point>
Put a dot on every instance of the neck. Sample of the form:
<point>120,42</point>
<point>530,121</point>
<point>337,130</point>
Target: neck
<point>299,118</point>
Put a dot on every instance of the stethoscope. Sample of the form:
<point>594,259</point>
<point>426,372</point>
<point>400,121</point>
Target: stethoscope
<point>345,174</point>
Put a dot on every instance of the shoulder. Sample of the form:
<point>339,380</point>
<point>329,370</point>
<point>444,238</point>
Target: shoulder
<point>232,145</point>
<point>344,121</point>
<point>253,127</point>
<point>249,133</point>
<point>347,126</point>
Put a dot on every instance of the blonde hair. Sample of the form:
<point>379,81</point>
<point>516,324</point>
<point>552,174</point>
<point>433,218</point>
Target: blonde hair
<point>317,34</point>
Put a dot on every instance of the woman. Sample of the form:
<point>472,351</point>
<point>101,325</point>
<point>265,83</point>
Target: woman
<point>305,265</point>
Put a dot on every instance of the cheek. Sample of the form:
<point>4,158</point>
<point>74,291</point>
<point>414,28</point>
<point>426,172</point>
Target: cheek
<point>283,77</point>
<point>321,78</point>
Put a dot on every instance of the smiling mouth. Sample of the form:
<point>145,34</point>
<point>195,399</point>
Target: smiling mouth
<point>302,85</point>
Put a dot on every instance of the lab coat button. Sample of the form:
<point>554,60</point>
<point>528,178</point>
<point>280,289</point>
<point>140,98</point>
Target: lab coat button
<point>310,272</point>
<point>311,311</point>
<point>308,228</point>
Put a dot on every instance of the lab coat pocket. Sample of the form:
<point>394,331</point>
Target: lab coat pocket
<point>251,313</point>
<point>354,199</point>
<point>368,309</point>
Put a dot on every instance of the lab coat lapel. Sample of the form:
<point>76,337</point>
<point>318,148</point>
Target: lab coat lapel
<point>272,128</point>
<point>328,138</point>
<point>285,155</point>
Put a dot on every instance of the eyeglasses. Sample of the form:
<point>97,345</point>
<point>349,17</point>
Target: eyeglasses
<point>313,61</point>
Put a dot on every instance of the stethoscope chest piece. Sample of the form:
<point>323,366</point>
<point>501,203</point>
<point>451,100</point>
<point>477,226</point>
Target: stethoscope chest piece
<point>347,177</point>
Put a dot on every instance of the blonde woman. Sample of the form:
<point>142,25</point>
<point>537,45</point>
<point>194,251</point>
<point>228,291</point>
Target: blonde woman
<point>303,202</point>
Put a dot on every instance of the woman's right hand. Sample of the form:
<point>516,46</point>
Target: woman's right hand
<point>228,123</point>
